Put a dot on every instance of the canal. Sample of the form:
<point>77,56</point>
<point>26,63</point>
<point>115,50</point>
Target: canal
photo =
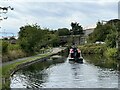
<point>95,72</point>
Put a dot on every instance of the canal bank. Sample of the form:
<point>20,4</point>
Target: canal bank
<point>95,72</point>
<point>100,49</point>
<point>9,69</point>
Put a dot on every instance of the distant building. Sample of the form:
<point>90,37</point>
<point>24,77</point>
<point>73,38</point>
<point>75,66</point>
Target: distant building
<point>77,38</point>
<point>88,31</point>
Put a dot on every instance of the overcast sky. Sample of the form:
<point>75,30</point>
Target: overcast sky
<point>57,14</point>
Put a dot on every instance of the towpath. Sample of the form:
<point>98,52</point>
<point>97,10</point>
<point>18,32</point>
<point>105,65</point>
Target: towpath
<point>52,51</point>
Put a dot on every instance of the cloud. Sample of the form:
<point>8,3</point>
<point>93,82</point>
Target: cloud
<point>100,1</point>
<point>55,15</point>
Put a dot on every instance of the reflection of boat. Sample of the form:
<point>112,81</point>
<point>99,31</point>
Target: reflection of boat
<point>75,55</point>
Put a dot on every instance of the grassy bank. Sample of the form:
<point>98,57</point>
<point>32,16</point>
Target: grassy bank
<point>99,49</point>
<point>92,48</point>
<point>7,69</point>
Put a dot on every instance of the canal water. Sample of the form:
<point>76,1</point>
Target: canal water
<point>95,72</point>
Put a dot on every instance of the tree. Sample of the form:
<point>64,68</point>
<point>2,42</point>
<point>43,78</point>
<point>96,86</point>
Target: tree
<point>118,30</point>
<point>32,38</point>
<point>76,30</point>
<point>29,37</point>
<point>63,32</point>
<point>103,31</point>
<point>111,40</point>
<point>4,46</point>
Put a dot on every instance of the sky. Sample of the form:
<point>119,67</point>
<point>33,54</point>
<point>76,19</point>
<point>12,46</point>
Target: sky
<point>54,14</point>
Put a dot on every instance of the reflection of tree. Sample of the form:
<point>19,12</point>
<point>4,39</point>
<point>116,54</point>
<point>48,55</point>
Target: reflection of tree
<point>99,60</point>
<point>37,74</point>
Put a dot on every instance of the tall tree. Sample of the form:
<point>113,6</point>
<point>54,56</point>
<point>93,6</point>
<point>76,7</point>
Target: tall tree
<point>29,37</point>
<point>32,38</point>
<point>76,30</point>
<point>118,30</point>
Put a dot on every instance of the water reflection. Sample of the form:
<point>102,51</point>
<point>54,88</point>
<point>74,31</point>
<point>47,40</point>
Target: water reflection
<point>33,76</point>
<point>101,61</point>
<point>93,73</point>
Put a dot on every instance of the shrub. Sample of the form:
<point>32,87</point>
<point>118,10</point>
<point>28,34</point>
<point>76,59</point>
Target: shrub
<point>12,55</point>
<point>92,49</point>
<point>111,52</point>
<point>4,47</point>
<point>13,47</point>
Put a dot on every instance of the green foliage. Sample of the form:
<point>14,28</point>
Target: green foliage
<point>99,49</point>
<point>32,38</point>
<point>13,47</point>
<point>103,32</point>
<point>63,32</point>
<point>9,68</point>
<point>102,61</point>
<point>28,37</point>
<point>54,40</point>
<point>99,33</point>
<point>111,52</point>
<point>118,25</point>
<point>92,49</point>
<point>76,29</point>
<point>111,40</point>
<point>4,46</point>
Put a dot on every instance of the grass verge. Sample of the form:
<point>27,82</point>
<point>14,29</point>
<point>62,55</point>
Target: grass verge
<point>7,69</point>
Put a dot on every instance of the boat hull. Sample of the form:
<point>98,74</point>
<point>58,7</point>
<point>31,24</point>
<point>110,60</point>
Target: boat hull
<point>78,60</point>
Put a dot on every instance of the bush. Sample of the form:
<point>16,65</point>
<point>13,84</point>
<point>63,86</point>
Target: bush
<point>111,52</point>
<point>11,51</point>
<point>92,49</point>
<point>13,47</point>
<point>4,47</point>
<point>12,55</point>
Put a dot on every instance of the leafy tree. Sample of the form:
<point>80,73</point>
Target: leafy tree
<point>54,40</point>
<point>76,29</point>
<point>111,40</point>
<point>32,38</point>
<point>29,36</point>
<point>118,37</point>
<point>4,47</point>
<point>102,32</point>
<point>63,32</point>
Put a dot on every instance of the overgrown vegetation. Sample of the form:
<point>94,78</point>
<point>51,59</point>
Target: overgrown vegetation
<point>107,33</point>
<point>32,38</point>
<point>111,52</point>
<point>92,48</point>
<point>11,51</point>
